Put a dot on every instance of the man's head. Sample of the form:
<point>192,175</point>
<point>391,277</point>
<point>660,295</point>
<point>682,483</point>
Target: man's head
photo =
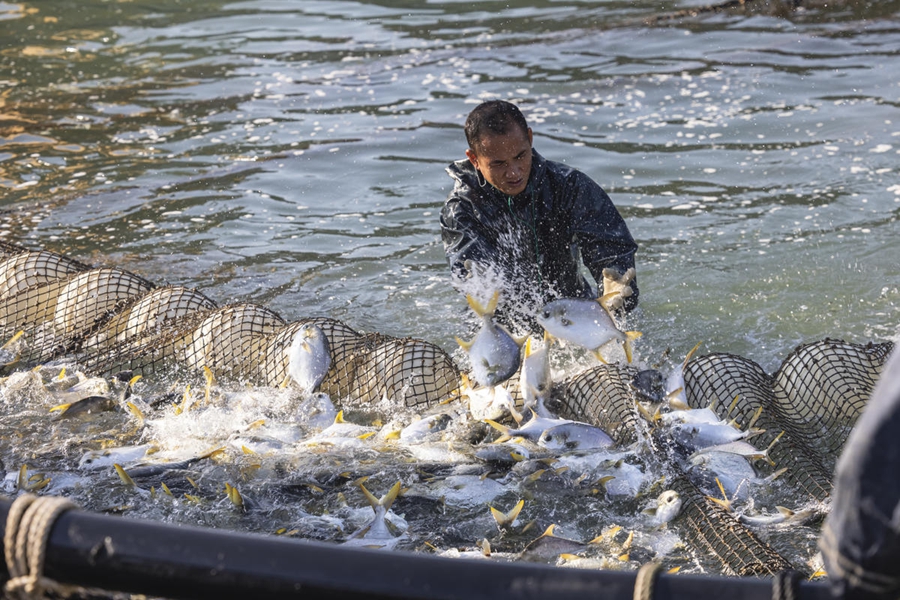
<point>500,145</point>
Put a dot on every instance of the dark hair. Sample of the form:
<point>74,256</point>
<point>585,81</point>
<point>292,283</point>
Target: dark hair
<point>495,116</point>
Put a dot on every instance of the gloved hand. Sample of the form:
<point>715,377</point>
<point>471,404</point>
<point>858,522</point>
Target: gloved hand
<point>616,287</point>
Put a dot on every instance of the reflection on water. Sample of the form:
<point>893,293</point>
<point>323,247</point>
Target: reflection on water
<point>292,153</point>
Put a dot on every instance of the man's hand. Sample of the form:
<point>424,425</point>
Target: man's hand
<point>616,287</point>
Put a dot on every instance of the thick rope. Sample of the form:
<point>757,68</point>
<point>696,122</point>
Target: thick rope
<point>646,580</point>
<point>28,526</point>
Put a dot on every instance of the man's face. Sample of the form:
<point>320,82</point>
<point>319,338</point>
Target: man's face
<point>504,160</point>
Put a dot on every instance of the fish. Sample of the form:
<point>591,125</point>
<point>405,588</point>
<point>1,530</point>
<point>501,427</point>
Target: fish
<point>377,529</point>
<point>506,519</point>
<point>781,516</point>
<point>10,351</point>
<point>531,430</point>
<point>741,448</point>
<point>153,469</point>
<point>667,506</point>
<point>575,436</point>
<point>494,353</point>
<point>535,377</point>
<point>419,430</point>
<point>101,459</point>
<point>309,358</point>
<point>504,452</point>
<point>703,435</point>
<point>675,390</point>
<point>94,404</point>
<point>491,402</point>
<point>586,323</point>
<point>549,545</point>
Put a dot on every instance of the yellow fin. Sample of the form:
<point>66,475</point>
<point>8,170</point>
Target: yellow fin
<point>630,336</point>
<point>123,475</point>
<point>507,519</point>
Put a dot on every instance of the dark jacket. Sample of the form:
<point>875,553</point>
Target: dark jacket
<point>860,541</point>
<point>536,239</point>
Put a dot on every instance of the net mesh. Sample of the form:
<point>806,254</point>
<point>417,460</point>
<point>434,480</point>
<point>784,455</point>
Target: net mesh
<point>112,320</point>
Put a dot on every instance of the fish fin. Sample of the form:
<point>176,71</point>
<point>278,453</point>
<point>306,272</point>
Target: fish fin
<point>508,518</point>
<point>549,531</point>
<point>13,339</point>
<point>674,570</point>
<point>365,436</point>
<point>754,418</point>
<point>535,476</point>
<point>61,408</point>
<point>726,504</point>
<point>503,429</point>
<point>393,435</point>
<point>567,557</point>
<point>464,344</point>
<point>486,547</point>
<point>339,418</point>
<point>597,539</point>
<point>788,513</point>
<point>649,511</point>
<point>777,474</point>
<point>483,310</point>
<point>124,476</point>
<point>528,350</point>
<point>688,356</point>
<point>604,480</point>
<point>599,356</point>
<point>630,336</point>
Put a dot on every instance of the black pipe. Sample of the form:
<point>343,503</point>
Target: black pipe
<point>182,562</point>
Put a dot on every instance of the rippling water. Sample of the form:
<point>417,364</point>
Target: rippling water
<point>292,153</point>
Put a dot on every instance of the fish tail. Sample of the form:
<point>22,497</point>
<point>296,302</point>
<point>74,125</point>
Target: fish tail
<point>484,310</point>
<point>508,518</point>
<point>630,336</point>
<point>503,429</point>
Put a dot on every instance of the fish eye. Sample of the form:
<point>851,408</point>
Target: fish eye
<point>548,438</point>
<point>546,314</point>
<point>566,322</point>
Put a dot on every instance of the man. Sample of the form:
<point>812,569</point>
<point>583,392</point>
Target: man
<point>517,221</point>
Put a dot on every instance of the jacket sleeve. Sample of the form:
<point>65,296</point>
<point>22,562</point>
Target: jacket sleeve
<point>463,237</point>
<point>601,234</point>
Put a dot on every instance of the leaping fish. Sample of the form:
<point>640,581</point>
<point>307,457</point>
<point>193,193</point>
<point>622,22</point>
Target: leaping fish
<point>586,323</point>
<point>494,353</point>
<point>534,381</point>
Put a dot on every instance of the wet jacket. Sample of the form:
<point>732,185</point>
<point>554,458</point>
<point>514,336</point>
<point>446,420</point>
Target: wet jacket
<point>860,540</point>
<point>538,239</point>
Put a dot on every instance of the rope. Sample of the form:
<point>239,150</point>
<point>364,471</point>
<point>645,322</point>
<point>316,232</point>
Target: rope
<point>28,526</point>
<point>646,580</point>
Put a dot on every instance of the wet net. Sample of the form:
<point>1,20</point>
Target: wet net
<point>110,321</point>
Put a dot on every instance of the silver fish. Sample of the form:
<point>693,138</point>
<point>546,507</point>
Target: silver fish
<point>667,507</point>
<point>418,431</point>
<point>548,546</point>
<point>781,516</point>
<point>490,402</point>
<point>377,529</point>
<point>309,358</point>
<point>535,377</point>
<point>575,436</point>
<point>101,459</point>
<point>531,430</point>
<point>675,391</point>
<point>586,323</point>
<point>494,353</point>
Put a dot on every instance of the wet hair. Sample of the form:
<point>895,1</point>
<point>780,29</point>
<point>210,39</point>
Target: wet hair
<point>494,116</point>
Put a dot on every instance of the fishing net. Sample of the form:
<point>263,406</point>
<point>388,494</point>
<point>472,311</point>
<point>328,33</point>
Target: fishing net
<point>110,321</point>
<point>812,403</point>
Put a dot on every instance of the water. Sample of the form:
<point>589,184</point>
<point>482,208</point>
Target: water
<point>292,153</point>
